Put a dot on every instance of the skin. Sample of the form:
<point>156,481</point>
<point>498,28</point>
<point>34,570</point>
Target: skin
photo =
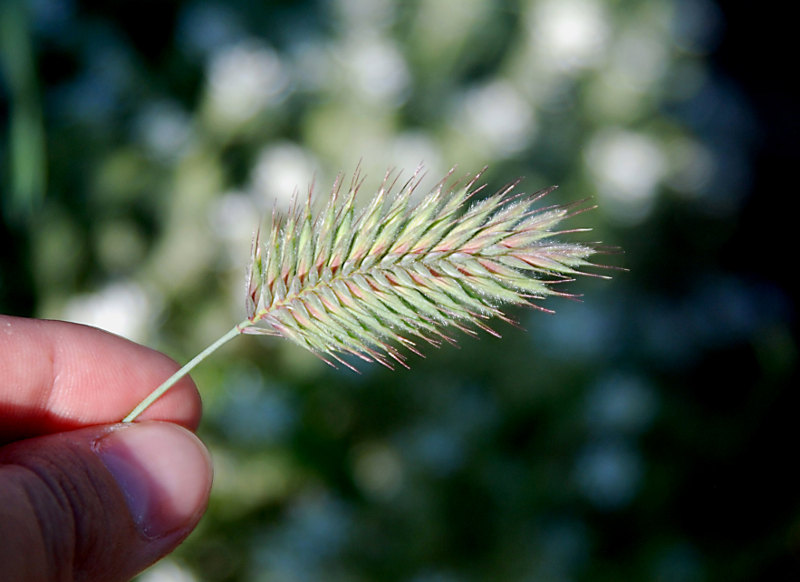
<point>81,496</point>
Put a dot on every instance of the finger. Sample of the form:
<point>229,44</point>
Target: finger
<point>56,376</point>
<point>99,503</point>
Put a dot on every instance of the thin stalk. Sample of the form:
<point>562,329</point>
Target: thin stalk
<point>172,380</point>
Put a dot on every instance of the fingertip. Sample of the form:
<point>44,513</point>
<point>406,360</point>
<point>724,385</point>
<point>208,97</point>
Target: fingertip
<point>164,472</point>
<point>101,502</point>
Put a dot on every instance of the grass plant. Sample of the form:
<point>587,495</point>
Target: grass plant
<point>369,284</point>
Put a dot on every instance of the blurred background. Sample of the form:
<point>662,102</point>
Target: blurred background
<point>646,432</point>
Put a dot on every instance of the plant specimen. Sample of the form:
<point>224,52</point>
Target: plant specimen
<point>366,284</point>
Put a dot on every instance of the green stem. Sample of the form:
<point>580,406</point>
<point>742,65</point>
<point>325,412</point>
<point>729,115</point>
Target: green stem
<point>172,380</point>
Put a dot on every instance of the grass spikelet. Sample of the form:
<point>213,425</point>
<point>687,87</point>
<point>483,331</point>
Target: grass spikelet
<point>355,283</point>
<point>367,284</point>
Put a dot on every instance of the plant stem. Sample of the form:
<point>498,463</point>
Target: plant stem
<point>172,380</point>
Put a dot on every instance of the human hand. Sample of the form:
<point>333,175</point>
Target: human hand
<point>81,496</point>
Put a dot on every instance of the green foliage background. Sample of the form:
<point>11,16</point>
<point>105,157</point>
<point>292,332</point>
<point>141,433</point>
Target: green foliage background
<point>636,435</point>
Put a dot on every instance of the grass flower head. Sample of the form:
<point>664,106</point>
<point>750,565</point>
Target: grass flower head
<point>361,283</point>
<point>369,283</point>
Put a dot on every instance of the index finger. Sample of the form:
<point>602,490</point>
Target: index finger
<point>57,376</point>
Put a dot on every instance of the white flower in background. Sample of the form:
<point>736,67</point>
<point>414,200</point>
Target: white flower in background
<point>628,167</point>
<point>234,217</point>
<point>122,308</point>
<point>379,71</point>
<point>245,78</point>
<point>497,116</point>
<point>167,571</point>
<point>569,35</point>
<point>278,172</point>
<point>414,149</point>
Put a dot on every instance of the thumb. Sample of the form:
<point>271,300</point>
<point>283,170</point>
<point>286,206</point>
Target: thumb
<point>99,503</point>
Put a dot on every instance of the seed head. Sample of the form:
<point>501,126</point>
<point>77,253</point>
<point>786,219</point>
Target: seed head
<point>344,282</point>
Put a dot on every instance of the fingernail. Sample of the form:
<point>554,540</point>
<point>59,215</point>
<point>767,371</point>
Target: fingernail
<point>164,472</point>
